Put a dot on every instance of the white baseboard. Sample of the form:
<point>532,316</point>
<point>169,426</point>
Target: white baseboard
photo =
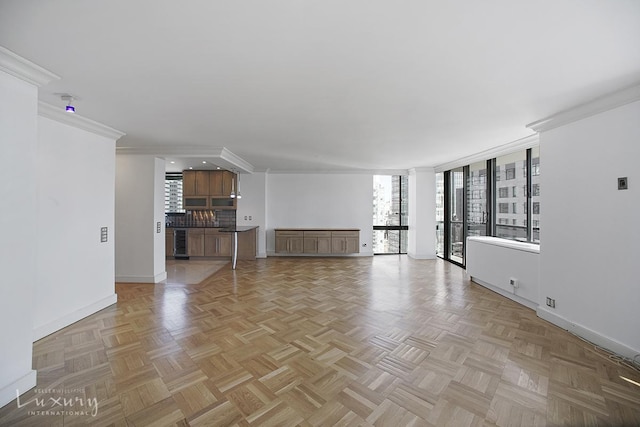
<point>142,279</point>
<point>359,254</point>
<point>19,386</point>
<point>586,333</point>
<point>69,318</point>
<point>515,297</point>
<point>261,255</point>
<point>416,255</point>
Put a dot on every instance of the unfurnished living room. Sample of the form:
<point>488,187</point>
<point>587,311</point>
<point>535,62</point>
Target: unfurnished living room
<point>319,213</point>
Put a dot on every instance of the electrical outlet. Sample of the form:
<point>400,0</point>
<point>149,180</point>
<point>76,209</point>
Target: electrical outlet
<point>158,227</point>
<point>104,233</point>
<point>514,282</point>
<point>551,302</point>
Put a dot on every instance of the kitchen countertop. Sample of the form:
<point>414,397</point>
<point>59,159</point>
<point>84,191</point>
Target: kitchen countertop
<point>238,229</point>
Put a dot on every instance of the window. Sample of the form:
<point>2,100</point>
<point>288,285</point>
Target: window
<point>477,203</point>
<point>470,201</point>
<point>390,214</point>
<point>440,214</point>
<point>515,168</point>
<point>173,192</point>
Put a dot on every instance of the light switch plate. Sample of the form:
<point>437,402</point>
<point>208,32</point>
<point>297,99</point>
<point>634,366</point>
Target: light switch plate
<point>623,183</point>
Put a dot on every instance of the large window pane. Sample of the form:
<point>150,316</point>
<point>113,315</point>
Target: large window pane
<point>456,216</point>
<point>535,194</point>
<point>511,201</point>
<point>477,200</point>
<point>440,214</point>
<point>173,193</point>
<point>390,213</point>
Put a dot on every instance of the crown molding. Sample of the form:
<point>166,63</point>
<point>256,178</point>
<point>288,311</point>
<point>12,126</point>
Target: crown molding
<point>60,115</point>
<point>501,150</point>
<point>413,171</point>
<point>226,158</point>
<point>337,172</point>
<point>599,105</point>
<point>233,159</point>
<point>24,69</point>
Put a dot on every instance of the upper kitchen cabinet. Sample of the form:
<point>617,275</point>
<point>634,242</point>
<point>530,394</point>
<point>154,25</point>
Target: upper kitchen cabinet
<point>195,183</point>
<point>221,183</point>
<point>208,189</point>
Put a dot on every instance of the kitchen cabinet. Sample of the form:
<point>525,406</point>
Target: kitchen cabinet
<point>317,242</point>
<point>195,242</point>
<point>216,243</point>
<point>221,183</point>
<point>345,242</point>
<point>195,183</point>
<point>208,189</point>
<point>168,242</point>
<point>289,241</point>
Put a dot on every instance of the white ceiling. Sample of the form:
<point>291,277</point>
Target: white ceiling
<point>327,84</point>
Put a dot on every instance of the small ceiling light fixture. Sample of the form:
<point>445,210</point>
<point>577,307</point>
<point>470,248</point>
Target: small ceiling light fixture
<point>69,98</point>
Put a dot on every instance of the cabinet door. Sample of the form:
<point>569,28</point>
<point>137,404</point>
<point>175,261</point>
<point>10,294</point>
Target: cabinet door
<point>324,245</point>
<point>282,244</point>
<point>352,245</point>
<point>337,245</point>
<point>195,242</point>
<point>188,183</point>
<point>295,245</point>
<point>310,245</point>
<point>210,244</point>
<point>215,184</point>
<point>224,244</point>
<point>202,183</point>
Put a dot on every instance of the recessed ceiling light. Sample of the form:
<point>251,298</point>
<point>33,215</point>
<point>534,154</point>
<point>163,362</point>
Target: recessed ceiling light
<point>204,161</point>
<point>218,167</point>
<point>173,162</point>
<point>190,167</point>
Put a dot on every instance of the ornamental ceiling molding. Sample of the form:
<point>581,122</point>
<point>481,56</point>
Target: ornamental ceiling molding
<point>598,105</point>
<point>17,66</point>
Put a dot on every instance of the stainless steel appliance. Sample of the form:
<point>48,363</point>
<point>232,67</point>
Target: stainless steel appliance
<point>180,243</point>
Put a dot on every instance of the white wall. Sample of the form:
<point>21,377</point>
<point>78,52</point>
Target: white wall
<point>75,271</point>
<point>18,222</point>
<point>422,214</point>
<point>319,201</point>
<point>253,205</point>
<point>139,248</point>
<point>589,230</point>
<point>492,262</point>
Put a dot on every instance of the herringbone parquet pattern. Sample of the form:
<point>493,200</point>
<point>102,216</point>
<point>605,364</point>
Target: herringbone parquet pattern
<point>383,341</point>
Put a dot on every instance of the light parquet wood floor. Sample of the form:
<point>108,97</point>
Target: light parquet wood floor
<point>382,341</point>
